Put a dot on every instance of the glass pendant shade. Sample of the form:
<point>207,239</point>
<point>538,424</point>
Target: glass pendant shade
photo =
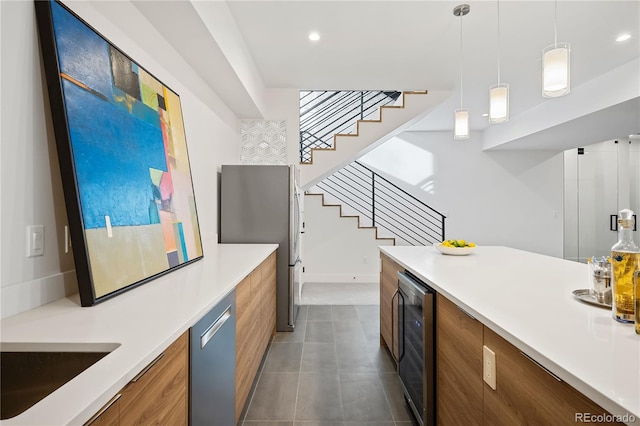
<point>461,125</point>
<point>499,103</point>
<point>555,70</point>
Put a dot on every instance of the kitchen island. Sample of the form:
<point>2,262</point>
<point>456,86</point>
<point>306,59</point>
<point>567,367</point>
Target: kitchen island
<point>527,300</point>
<point>140,324</point>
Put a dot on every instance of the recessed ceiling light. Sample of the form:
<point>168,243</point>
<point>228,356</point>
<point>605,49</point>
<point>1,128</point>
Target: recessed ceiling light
<point>623,37</point>
<point>485,114</point>
<point>314,36</point>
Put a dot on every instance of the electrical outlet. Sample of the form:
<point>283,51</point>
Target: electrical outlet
<point>35,240</point>
<point>489,367</point>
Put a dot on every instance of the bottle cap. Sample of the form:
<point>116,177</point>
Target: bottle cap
<point>625,218</point>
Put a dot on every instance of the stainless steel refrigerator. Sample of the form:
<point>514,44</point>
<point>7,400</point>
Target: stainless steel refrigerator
<point>262,204</point>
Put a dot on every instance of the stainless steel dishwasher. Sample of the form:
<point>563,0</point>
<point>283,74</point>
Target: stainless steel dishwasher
<point>213,358</point>
<point>416,341</point>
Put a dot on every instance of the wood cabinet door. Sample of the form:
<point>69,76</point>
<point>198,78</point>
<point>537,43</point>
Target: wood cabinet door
<point>159,396</point>
<point>109,415</point>
<point>269,279</point>
<point>459,384</point>
<point>245,344</point>
<point>255,325</point>
<point>526,394</point>
<point>389,303</point>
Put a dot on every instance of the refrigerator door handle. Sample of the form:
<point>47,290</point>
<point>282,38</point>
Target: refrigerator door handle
<point>293,216</point>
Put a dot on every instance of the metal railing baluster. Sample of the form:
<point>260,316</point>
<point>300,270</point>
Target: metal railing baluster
<point>388,206</point>
<point>326,113</point>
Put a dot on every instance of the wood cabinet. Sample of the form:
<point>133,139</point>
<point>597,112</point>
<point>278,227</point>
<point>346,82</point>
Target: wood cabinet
<point>459,339</point>
<point>527,394</point>
<point>109,415</point>
<point>157,395</point>
<point>255,325</point>
<point>389,303</point>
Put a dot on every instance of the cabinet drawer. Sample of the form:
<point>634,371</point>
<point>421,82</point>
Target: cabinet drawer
<point>109,415</point>
<point>159,394</point>
<point>459,339</point>
<point>526,393</point>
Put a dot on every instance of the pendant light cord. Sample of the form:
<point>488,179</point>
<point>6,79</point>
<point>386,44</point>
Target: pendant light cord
<point>555,24</point>
<point>461,66</point>
<point>498,41</point>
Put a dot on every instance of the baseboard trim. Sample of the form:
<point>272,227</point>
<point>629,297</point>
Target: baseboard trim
<point>341,278</point>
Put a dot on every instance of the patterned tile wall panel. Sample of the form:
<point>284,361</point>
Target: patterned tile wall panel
<point>263,142</point>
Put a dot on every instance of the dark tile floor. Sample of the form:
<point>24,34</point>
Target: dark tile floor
<point>331,371</point>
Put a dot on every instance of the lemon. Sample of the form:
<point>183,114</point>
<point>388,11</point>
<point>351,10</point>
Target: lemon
<point>471,244</point>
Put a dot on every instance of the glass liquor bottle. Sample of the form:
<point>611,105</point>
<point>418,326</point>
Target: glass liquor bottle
<point>625,261</point>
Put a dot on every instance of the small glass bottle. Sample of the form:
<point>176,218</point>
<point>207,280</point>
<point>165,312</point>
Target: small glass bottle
<point>636,295</point>
<point>625,261</point>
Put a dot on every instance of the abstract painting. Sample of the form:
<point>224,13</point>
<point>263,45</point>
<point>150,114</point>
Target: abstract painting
<point>123,158</point>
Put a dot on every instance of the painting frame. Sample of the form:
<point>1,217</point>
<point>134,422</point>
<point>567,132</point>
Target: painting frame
<point>123,157</point>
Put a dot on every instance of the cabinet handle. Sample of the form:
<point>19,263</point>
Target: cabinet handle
<point>541,366</point>
<point>213,328</point>
<point>466,313</point>
<point>103,409</point>
<point>147,368</point>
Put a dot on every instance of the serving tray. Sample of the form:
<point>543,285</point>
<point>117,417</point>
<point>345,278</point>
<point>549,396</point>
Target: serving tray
<point>584,295</point>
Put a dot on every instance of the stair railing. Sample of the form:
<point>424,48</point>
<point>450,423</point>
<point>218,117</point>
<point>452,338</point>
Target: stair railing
<point>325,113</point>
<point>382,203</point>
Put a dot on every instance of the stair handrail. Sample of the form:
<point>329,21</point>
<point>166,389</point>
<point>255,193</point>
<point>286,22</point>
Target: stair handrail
<point>400,189</point>
<point>367,200</point>
<point>335,112</point>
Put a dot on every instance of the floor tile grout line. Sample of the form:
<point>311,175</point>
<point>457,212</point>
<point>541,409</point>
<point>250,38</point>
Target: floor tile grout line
<point>261,370</point>
<point>295,403</point>
<point>386,397</point>
<point>335,350</point>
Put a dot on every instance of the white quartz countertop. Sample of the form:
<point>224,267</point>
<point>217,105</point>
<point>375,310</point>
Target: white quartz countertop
<point>527,299</point>
<point>143,322</point>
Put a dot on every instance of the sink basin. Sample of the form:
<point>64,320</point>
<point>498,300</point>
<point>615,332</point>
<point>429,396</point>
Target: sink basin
<point>31,371</point>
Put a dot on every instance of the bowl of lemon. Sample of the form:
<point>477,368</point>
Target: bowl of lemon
<point>455,247</point>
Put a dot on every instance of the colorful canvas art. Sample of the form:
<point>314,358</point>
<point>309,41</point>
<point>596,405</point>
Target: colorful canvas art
<point>123,156</point>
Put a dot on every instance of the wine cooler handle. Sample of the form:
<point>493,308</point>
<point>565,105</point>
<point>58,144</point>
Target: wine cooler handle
<point>404,324</point>
<point>395,293</point>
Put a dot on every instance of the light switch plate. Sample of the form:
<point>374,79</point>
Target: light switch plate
<point>489,367</point>
<point>35,240</point>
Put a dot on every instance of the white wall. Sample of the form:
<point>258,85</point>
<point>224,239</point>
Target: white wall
<point>284,104</point>
<point>31,191</point>
<point>334,249</point>
<point>510,198</point>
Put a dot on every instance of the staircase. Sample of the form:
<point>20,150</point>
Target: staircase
<point>378,203</point>
<point>337,247</point>
<point>356,217</point>
<point>328,157</point>
<point>350,210</point>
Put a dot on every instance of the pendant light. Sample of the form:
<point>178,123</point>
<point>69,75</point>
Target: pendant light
<point>461,117</point>
<point>555,65</point>
<point>499,93</point>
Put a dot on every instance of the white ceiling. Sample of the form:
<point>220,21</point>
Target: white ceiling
<point>415,45</point>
